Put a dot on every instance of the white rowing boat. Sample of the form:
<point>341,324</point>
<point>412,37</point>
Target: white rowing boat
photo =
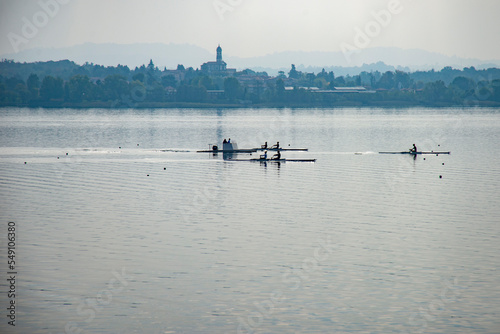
<point>273,160</point>
<point>414,153</point>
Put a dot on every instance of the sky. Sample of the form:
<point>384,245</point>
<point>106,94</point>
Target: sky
<point>248,28</point>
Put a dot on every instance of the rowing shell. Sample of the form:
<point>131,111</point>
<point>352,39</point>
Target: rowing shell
<point>274,160</point>
<point>282,149</point>
<point>243,150</point>
<point>413,153</point>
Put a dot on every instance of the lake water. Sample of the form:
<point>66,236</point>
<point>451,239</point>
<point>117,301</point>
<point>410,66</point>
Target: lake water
<point>121,227</point>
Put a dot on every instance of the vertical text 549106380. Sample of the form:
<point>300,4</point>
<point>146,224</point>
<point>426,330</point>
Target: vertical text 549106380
<point>11,272</point>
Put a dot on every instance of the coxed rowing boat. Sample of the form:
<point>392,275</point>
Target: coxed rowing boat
<point>243,150</point>
<point>232,147</point>
<point>414,153</point>
<point>273,160</point>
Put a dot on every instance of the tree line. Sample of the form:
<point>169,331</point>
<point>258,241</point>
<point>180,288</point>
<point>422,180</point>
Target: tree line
<point>65,83</point>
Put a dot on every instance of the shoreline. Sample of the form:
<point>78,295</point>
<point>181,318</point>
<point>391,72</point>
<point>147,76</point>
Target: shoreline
<point>205,105</point>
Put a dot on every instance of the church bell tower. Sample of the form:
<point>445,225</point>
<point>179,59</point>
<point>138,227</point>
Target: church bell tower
<point>219,54</point>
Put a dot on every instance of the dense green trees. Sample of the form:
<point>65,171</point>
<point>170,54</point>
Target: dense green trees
<point>33,84</point>
<point>231,88</point>
<point>79,88</point>
<point>115,87</point>
<point>51,88</point>
<point>188,93</point>
<point>168,81</point>
<point>95,85</point>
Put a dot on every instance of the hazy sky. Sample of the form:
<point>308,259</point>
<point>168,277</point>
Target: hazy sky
<point>258,27</point>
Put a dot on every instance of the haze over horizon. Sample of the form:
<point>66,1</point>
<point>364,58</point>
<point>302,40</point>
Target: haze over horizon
<point>256,28</point>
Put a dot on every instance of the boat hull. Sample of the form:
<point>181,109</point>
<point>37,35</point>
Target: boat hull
<point>414,153</point>
<point>282,149</point>
<point>274,160</point>
<point>250,150</point>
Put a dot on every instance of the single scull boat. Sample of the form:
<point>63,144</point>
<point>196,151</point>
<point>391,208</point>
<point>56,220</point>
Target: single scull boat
<point>413,153</point>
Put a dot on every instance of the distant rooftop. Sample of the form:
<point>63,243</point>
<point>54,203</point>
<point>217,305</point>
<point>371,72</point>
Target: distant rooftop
<point>355,89</point>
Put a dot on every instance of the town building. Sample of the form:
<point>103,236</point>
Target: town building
<point>217,67</point>
<point>335,90</point>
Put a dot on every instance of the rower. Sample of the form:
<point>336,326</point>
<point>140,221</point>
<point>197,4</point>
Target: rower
<point>264,146</point>
<point>225,141</point>
<point>277,156</point>
<point>264,156</point>
<point>413,149</point>
<point>276,146</point>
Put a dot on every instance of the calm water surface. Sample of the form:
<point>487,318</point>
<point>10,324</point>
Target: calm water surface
<point>123,228</point>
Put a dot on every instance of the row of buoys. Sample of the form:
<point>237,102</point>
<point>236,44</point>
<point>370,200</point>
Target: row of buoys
<point>440,176</point>
<point>57,158</point>
<point>121,147</point>
<point>164,168</point>
<point>66,154</point>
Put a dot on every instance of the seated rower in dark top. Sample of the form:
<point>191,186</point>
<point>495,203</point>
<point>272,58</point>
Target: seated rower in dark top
<point>264,146</point>
<point>225,141</point>
<point>277,145</point>
<point>277,156</point>
<point>413,149</point>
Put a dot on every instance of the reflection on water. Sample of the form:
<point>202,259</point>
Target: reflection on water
<point>124,228</point>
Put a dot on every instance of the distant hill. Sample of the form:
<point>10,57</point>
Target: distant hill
<point>372,59</point>
<point>132,55</point>
<point>170,55</point>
